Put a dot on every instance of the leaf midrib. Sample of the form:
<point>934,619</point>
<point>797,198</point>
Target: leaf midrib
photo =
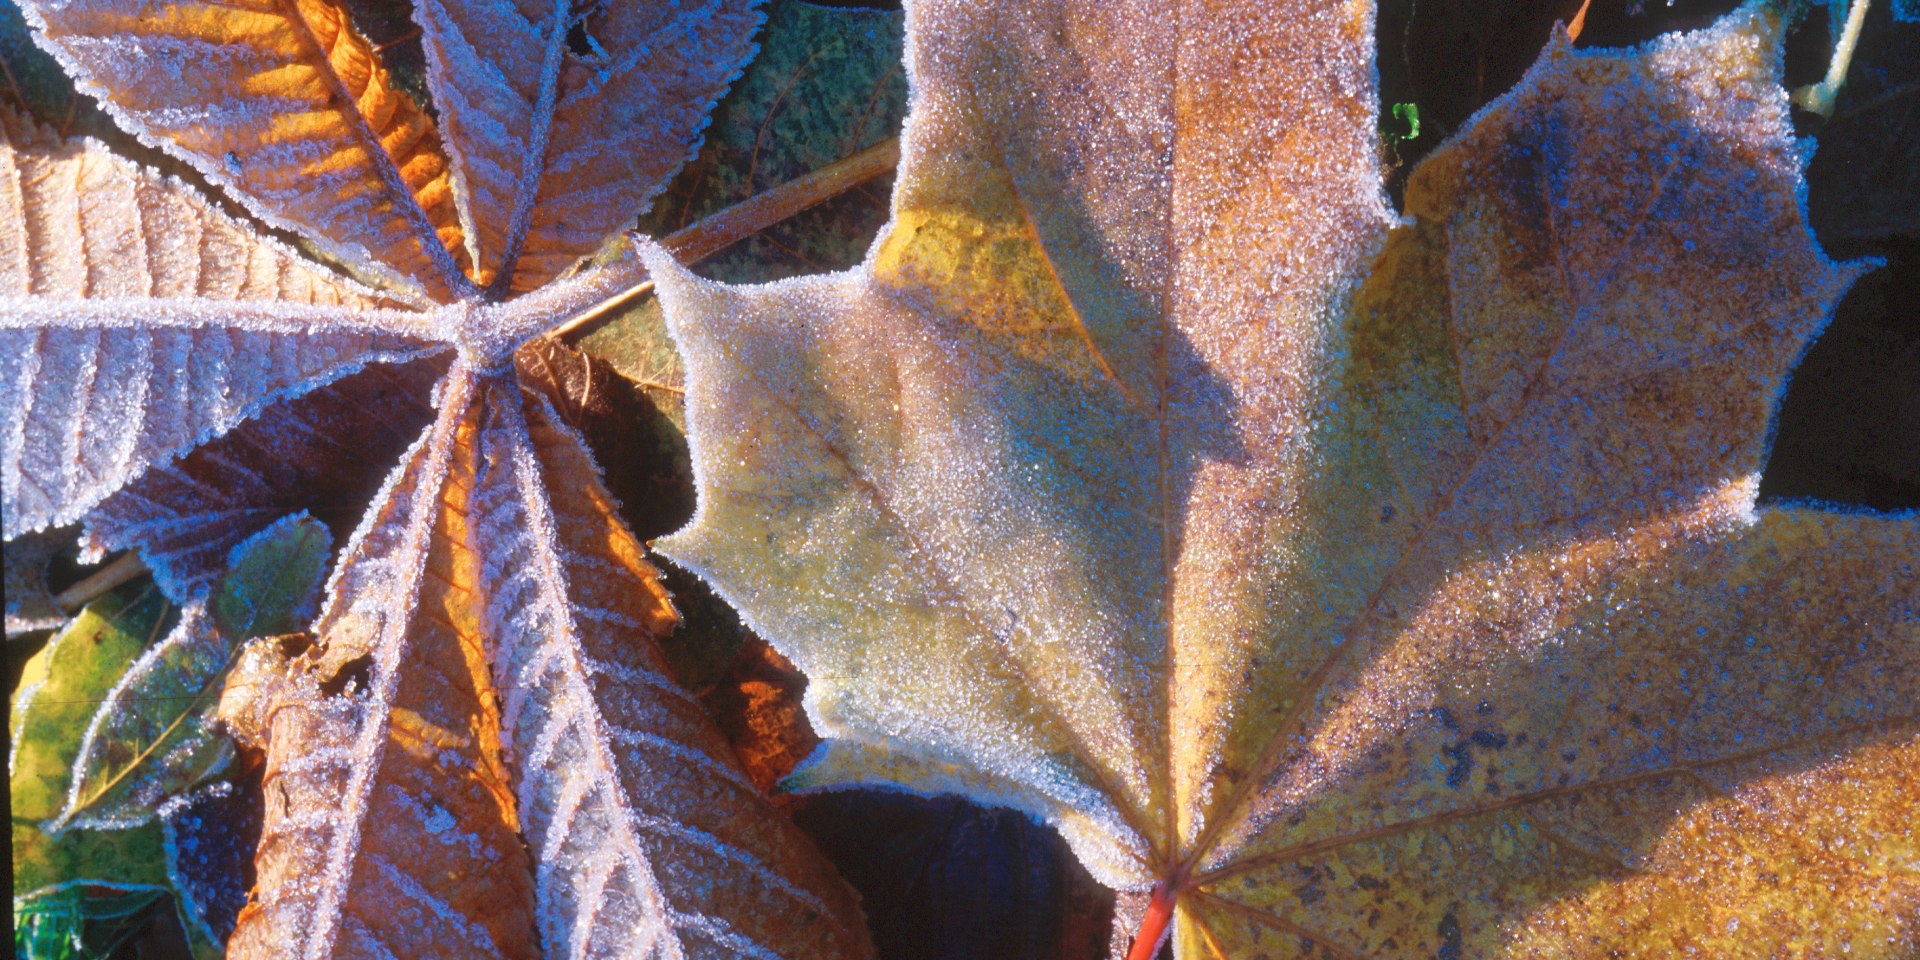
<point>398,193</point>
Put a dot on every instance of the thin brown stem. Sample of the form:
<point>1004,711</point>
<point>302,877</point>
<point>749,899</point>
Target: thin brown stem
<point>718,231</point>
<point>127,566</point>
<point>712,234</point>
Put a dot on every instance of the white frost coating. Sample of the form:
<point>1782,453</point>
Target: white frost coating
<point>649,839</point>
<point>137,321</point>
<point>385,599</point>
<point>553,151</point>
<point>990,737</point>
<point>490,121</point>
<point>314,321</point>
<point>88,409</point>
<point>185,516</point>
<point>1058,511</point>
<point>618,774</point>
<point>1024,530</point>
<point>368,560</point>
<point>164,87</point>
<point>157,235</point>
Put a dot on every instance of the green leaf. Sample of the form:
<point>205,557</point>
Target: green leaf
<point>73,922</point>
<point>60,689</point>
<point>1409,112</point>
<point>34,81</point>
<point>827,84</point>
<point>272,579</point>
<point>152,739</point>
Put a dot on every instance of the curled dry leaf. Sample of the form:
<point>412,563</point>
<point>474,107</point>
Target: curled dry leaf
<point>479,755</point>
<point>758,704</point>
<point>1361,588</point>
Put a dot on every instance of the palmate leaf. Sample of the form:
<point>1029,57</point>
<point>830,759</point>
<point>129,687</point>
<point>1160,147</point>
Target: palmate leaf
<point>623,865</point>
<point>138,321</point>
<point>478,754</point>
<point>1361,589</point>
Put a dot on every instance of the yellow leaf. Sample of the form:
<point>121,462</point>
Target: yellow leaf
<point>1367,590</point>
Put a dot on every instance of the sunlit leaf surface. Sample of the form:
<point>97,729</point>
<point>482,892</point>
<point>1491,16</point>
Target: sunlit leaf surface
<point>1369,589</point>
<point>826,84</point>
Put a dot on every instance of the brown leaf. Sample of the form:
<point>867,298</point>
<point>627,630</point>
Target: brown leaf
<point>285,105</point>
<point>325,451</point>
<point>757,706</point>
<point>391,825</point>
<point>107,270</point>
<point>565,120</point>
<point>482,756</point>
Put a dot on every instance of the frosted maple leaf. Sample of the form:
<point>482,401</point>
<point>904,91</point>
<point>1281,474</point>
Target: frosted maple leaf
<point>1360,586</point>
<point>480,755</point>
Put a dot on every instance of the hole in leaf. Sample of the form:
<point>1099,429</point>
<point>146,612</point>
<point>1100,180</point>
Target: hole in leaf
<point>579,43</point>
<point>358,672</point>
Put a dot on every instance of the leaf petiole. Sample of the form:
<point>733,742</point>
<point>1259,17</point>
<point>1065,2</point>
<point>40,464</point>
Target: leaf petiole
<point>128,566</point>
<point>1157,925</point>
<point>1819,97</point>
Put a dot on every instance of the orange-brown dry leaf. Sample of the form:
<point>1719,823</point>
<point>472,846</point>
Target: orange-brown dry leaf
<point>758,707</point>
<point>485,758</point>
<point>565,119</point>
<point>390,822</point>
<point>492,590</point>
<point>1374,589</point>
<point>283,104</point>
